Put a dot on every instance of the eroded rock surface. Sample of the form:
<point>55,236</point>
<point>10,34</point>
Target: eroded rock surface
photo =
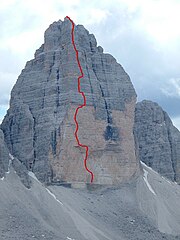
<point>39,126</point>
<point>157,139</point>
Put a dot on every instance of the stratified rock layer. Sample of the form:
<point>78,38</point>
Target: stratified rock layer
<point>157,139</point>
<point>39,126</point>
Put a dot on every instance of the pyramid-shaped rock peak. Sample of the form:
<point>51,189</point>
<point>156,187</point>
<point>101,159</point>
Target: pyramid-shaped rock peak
<point>39,126</point>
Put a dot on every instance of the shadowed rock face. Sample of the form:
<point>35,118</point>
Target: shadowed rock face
<point>4,156</point>
<point>6,161</point>
<point>157,139</point>
<point>39,126</point>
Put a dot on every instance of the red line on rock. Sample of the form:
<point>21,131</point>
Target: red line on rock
<point>81,106</point>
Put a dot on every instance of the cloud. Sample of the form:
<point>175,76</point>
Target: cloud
<point>172,89</point>
<point>155,17</point>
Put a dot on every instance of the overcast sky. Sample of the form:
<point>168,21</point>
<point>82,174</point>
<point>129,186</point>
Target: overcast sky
<point>143,35</point>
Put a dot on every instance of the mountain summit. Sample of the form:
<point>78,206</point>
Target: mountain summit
<point>39,126</point>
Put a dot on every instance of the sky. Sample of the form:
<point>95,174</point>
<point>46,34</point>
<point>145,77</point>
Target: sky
<point>143,35</point>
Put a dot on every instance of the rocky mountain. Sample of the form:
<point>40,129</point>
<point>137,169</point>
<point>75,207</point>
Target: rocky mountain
<point>39,151</point>
<point>157,139</point>
<point>39,126</point>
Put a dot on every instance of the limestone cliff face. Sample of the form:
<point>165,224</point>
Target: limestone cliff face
<point>157,139</point>
<point>39,126</point>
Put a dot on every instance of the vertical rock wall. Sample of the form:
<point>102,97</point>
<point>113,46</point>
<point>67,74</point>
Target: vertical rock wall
<point>39,126</point>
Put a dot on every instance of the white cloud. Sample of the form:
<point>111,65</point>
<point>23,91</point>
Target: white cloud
<point>5,4</point>
<point>157,18</point>
<point>95,16</point>
<point>172,88</point>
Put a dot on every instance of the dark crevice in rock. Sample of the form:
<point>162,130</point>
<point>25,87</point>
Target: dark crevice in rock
<point>59,131</point>
<point>51,66</point>
<point>92,92</point>
<point>48,77</point>
<point>11,131</point>
<point>58,89</point>
<point>103,69</point>
<point>92,48</point>
<point>57,76</point>
<point>53,141</point>
<point>109,118</point>
<point>50,71</point>
<point>44,94</point>
<point>111,132</point>
<point>31,164</point>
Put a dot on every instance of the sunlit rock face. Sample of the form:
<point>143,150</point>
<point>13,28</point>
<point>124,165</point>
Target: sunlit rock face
<point>157,139</point>
<point>39,126</point>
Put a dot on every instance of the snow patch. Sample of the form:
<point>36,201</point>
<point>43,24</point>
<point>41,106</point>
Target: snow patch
<point>53,196</point>
<point>2,178</point>
<point>70,238</point>
<point>164,178</point>
<point>146,181</point>
<point>31,174</point>
<point>11,156</point>
<point>142,163</point>
<point>9,165</point>
<point>10,161</point>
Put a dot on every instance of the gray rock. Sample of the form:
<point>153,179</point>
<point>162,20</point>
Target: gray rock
<point>39,126</point>
<point>4,156</point>
<point>21,170</point>
<point>157,139</point>
<point>6,161</point>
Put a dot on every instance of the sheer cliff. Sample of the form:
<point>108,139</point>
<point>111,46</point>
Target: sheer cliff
<point>39,125</point>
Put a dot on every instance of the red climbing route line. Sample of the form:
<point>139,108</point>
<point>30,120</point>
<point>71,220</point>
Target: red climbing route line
<point>81,106</point>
